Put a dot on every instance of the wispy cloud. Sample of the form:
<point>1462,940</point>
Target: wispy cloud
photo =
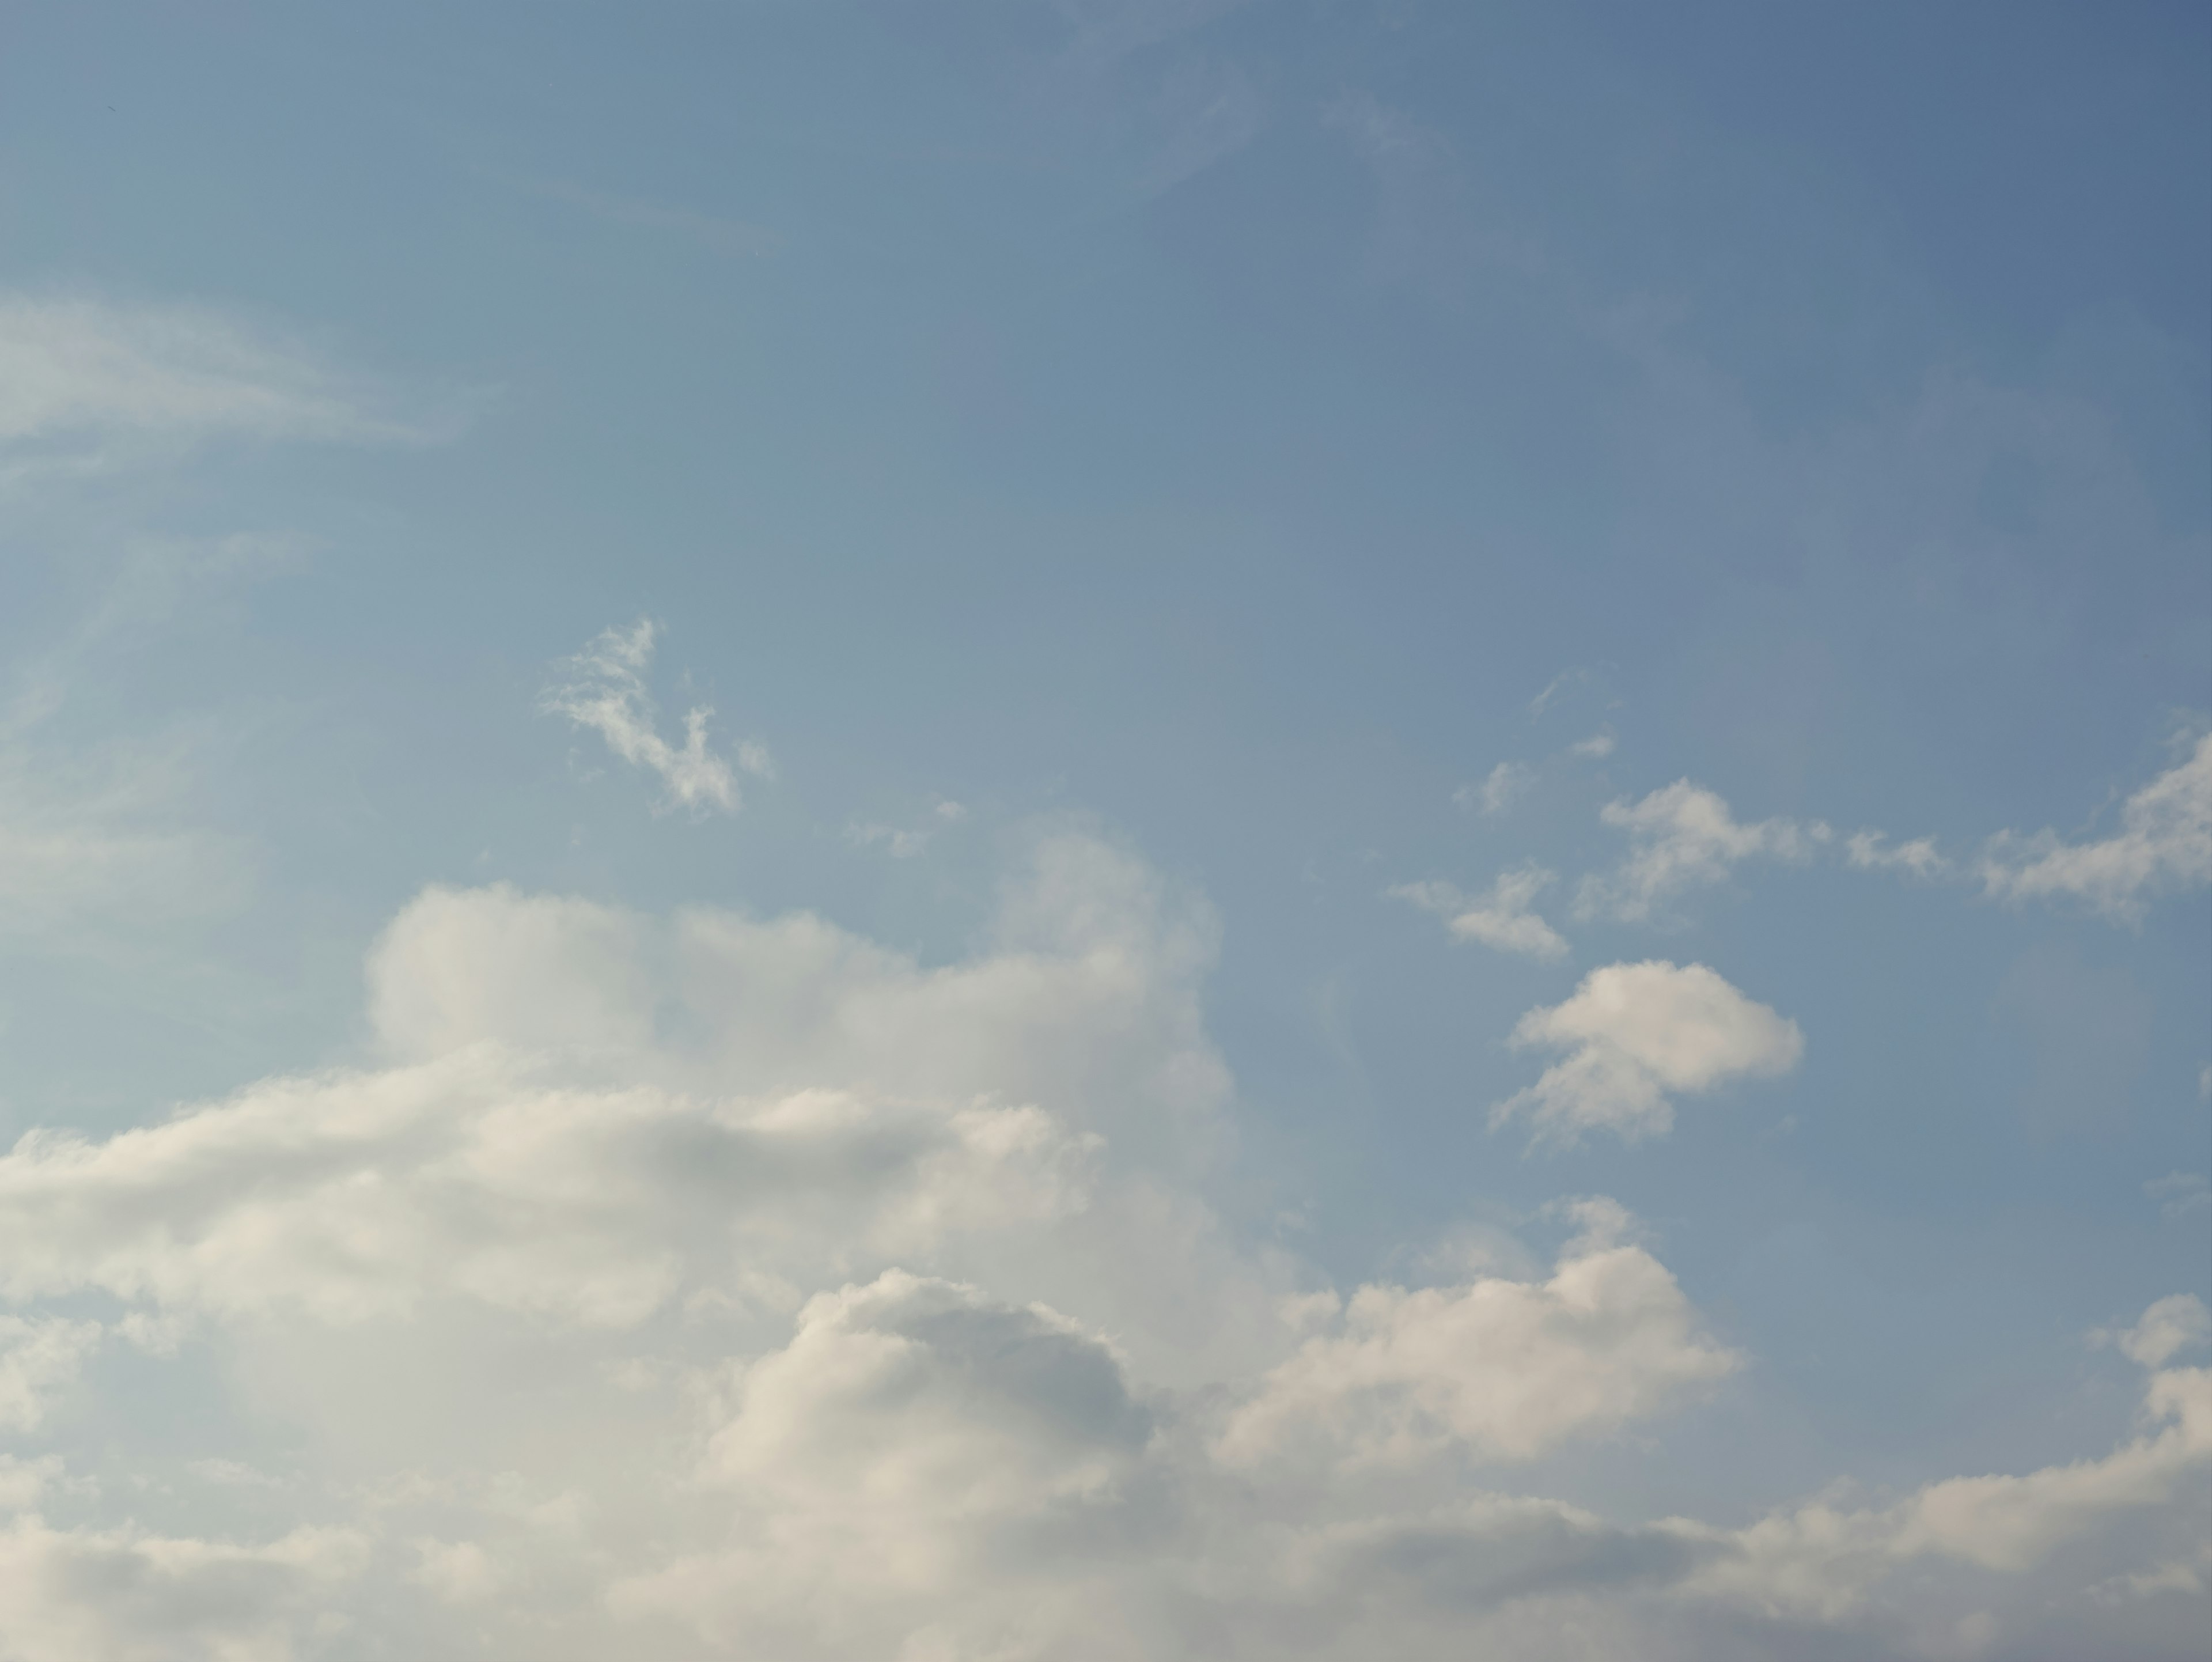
<point>1680,838</point>
<point>603,689</point>
<point>82,379</point>
<point>1504,784</point>
<point>2165,842</point>
<point>1501,918</point>
<point>1866,850</point>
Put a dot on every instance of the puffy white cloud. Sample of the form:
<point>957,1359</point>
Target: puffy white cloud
<point>703,1285</point>
<point>1501,918</point>
<point>1680,838</point>
<point>2164,843</point>
<point>1823,1561</point>
<point>603,689</point>
<point>1636,1034</point>
<point>912,1437</point>
<point>1503,1369</point>
<point>351,1197</point>
<point>123,1595</point>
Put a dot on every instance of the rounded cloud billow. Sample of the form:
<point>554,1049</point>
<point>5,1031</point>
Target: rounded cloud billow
<point>1637,1036</point>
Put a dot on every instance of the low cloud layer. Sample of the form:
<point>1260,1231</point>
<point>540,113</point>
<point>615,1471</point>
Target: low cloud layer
<point>704,1284</point>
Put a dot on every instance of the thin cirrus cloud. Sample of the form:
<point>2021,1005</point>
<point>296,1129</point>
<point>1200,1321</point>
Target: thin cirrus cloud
<point>84,380</point>
<point>1501,918</point>
<point>602,690</point>
<point>1636,1037</point>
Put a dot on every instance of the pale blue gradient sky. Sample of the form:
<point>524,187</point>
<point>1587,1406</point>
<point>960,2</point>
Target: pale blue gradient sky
<point>1212,425</point>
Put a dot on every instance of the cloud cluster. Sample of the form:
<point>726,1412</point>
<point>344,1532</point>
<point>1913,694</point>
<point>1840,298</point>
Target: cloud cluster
<point>702,1285</point>
<point>1636,1035</point>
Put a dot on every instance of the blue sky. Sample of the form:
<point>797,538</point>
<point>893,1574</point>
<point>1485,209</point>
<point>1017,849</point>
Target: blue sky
<point>1552,661</point>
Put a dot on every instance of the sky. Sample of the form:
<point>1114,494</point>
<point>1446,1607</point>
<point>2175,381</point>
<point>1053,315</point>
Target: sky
<point>1094,830</point>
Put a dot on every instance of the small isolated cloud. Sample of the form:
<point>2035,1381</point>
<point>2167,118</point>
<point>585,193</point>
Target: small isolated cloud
<point>1636,1035</point>
<point>1595,748</point>
<point>2180,1193</point>
<point>1866,850</point>
<point>1505,784</point>
<point>1682,837</point>
<point>1503,1369</point>
<point>1500,918</point>
<point>2164,843</point>
<point>604,692</point>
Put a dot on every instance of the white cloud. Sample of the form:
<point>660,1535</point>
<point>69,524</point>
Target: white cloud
<point>1554,687</point>
<point>38,1359</point>
<point>1500,918</point>
<point>83,379</point>
<point>703,1285</point>
<point>1504,785</point>
<point>1505,1369</point>
<point>124,1595</point>
<point>603,691</point>
<point>1595,748</point>
<point>1636,1034</point>
<point>1680,838</point>
<point>2164,843</point>
<point>1865,851</point>
<point>2169,1327</point>
<point>1822,1561</point>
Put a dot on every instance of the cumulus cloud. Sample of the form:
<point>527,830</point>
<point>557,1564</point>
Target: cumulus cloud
<point>704,1284</point>
<point>1636,1035</point>
<point>603,689</point>
<point>1823,1561</point>
<point>1501,918</point>
<point>1503,1369</point>
<point>1680,838</point>
<point>2163,844</point>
